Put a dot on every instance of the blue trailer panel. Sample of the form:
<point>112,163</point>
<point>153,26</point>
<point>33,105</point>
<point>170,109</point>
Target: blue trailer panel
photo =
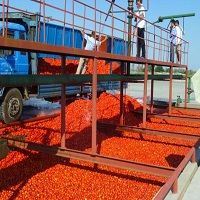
<point>54,36</point>
<point>47,91</point>
<point>117,46</point>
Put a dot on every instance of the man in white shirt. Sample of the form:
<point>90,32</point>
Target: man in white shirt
<point>173,39</point>
<point>179,35</point>
<point>91,44</point>
<point>140,28</point>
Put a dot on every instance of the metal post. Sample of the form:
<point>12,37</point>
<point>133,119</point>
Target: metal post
<point>145,95</point>
<point>186,87</point>
<point>63,103</point>
<point>7,18</point>
<point>94,108</point>
<point>64,22</point>
<point>121,97</point>
<point>160,46</point>
<point>73,20</point>
<point>152,88</point>
<point>94,99</point>
<point>38,21</point>
<point>175,187</point>
<point>193,158</point>
<point>112,36</point>
<point>189,89</point>
<point>121,103</point>
<point>154,43</point>
<point>170,90</point>
<point>44,21</point>
<point>130,17</point>
<point>3,16</point>
<point>112,33</point>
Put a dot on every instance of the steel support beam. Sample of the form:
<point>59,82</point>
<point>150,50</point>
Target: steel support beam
<point>121,103</point>
<point>94,107</point>
<point>23,45</point>
<point>172,117</point>
<point>130,18</point>
<point>194,110</point>
<point>30,80</point>
<point>170,90</point>
<point>186,88</point>
<point>63,104</point>
<point>145,95</point>
<point>98,159</point>
<point>161,18</point>
<point>122,97</point>
<point>152,89</point>
<point>172,183</point>
<point>34,119</point>
<point>148,131</point>
<point>175,117</point>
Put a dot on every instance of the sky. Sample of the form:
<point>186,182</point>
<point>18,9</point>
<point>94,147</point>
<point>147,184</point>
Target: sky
<point>156,8</point>
<point>192,24</point>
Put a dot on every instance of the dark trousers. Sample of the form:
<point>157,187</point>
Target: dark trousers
<point>140,42</point>
<point>171,52</point>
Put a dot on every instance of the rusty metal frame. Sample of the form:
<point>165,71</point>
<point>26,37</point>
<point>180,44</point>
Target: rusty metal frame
<point>45,5</point>
<point>148,131</point>
<point>7,43</point>
<point>34,119</point>
<point>194,110</point>
<point>37,47</point>
<point>172,182</point>
<point>182,117</point>
<point>175,117</point>
<point>94,157</point>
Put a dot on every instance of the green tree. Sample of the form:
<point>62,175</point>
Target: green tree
<point>159,69</point>
<point>167,70</point>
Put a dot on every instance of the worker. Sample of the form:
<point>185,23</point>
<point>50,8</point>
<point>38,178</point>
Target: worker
<point>179,34</point>
<point>91,44</point>
<point>140,25</point>
<point>173,39</point>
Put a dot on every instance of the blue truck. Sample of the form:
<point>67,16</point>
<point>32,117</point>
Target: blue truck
<point>25,27</point>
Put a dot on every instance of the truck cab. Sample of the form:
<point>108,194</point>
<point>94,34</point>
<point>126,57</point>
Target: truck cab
<point>12,62</point>
<point>15,62</point>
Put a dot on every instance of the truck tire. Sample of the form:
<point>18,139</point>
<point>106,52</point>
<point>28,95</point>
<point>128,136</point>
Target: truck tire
<point>11,106</point>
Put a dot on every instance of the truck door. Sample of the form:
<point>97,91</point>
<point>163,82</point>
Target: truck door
<point>21,57</point>
<point>17,60</point>
<point>7,58</point>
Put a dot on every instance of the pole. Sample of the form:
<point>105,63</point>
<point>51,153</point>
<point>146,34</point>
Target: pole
<point>63,104</point>
<point>94,98</point>
<point>189,89</point>
<point>152,88</point>
<point>162,18</point>
<point>170,90</point>
<point>145,95</point>
<point>122,98</point>
<point>130,18</point>
<point>186,88</point>
<point>94,107</point>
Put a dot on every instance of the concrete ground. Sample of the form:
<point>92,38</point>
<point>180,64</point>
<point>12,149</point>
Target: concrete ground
<point>161,90</point>
<point>193,191</point>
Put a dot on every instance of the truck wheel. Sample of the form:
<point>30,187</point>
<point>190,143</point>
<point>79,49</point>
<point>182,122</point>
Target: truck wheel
<point>12,106</point>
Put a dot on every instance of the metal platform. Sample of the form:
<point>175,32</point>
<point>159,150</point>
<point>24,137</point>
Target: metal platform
<point>157,50</point>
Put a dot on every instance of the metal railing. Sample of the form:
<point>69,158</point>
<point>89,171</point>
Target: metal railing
<point>91,16</point>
